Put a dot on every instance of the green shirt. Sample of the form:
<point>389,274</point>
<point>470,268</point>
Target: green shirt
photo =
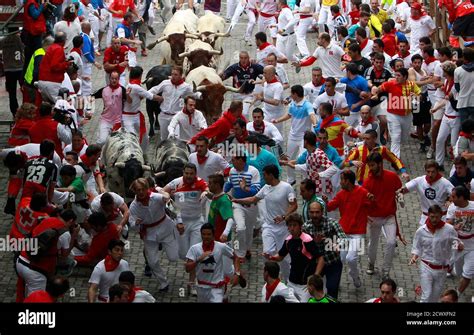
<point>219,212</point>
<point>79,192</point>
<point>324,300</point>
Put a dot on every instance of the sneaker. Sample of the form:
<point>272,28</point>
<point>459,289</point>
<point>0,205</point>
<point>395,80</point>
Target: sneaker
<point>385,275</point>
<point>370,269</point>
<point>164,289</point>
<point>429,154</point>
<point>298,69</point>
<point>357,282</point>
<point>147,272</point>
<point>248,255</point>
<point>227,20</point>
<point>427,140</point>
<point>422,149</point>
<point>152,31</point>
<point>194,291</point>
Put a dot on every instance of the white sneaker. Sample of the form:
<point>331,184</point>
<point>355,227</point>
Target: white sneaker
<point>429,154</point>
<point>370,269</point>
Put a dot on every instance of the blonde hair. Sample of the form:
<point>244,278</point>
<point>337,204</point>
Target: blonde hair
<point>26,111</point>
<point>139,182</point>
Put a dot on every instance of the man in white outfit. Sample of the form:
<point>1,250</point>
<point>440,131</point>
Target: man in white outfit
<point>266,128</point>
<point>207,162</point>
<point>188,122</point>
<point>267,17</point>
<point>285,40</point>
<point>306,18</point>
<point>273,286</point>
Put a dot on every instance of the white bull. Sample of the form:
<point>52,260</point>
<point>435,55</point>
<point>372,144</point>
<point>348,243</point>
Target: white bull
<point>211,29</point>
<point>123,160</point>
<point>200,53</point>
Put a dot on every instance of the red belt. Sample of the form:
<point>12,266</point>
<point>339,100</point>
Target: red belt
<point>131,113</point>
<point>304,16</point>
<point>444,213</point>
<point>450,117</point>
<point>213,285</point>
<point>436,267</point>
<point>143,228</point>
<point>267,15</point>
<point>466,237</point>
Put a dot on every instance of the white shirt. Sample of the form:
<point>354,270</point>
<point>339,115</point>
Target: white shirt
<point>106,279</point>
<point>273,91</point>
<point>281,74</point>
<point>70,29</point>
<point>406,60</point>
<point>311,92</point>
<point>277,199</point>
<point>438,72</point>
<point>430,70</point>
<point>282,290</point>
<point>97,208</point>
<point>329,59</point>
<point>30,150</point>
<point>448,109</point>
<point>270,131</point>
<point>418,29</point>
<point>211,270</point>
<point>137,94</point>
<point>262,54</point>
<point>187,198</point>
<point>268,6</point>
<point>180,126</point>
<point>436,248</point>
<point>173,95</point>
<point>214,163</point>
<point>367,49</point>
<point>435,194</point>
<point>77,60</point>
<point>338,101</point>
<point>286,21</point>
<point>151,214</point>
<point>465,216</point>
<point>465,80</point>
<point>68,148</point>
<point>143,296</point>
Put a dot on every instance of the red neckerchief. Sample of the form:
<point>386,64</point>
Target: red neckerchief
<point>432,228</point>
<point>263,45</point>
<point>179,82</point>
<point>192,183</point>
<point>243,136</point>
<point>145,201</point>
<point>133,293</point>
<point>400,1</point>
<point>363,44</point>
<point>285,6</point>
<point>190,115</point>
<point>320,84</point>
<point>269,289</point>
<point>337,15</point>
<point>210,247</point>
<point>326,121</point>
<point>447,86</point>
<point>136,82</point>
<point>114,87</point>
<point>110,264</point>
<point>438,177</point>
<point>466,135</point>
<point>418,6</point>
<point>378,73</point>
<point>430,60</point>
<point>259,129</point>
<point>79,51</point>
<point>82,146</point>
<point>369,121</point>
<point>125,23</point>
<point>274,80</point>
<point>85,160</point>
<point>202,159</point>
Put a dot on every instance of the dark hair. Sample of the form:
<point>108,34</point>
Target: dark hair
<point>57,286</point>
<point>430,163</point>
<point>97,219</point>
<point>429,50</point>
<point>253,139</point>
<point>177,68</point>
<point>106,199</point>
<point>235,105</point>
<point>60,37</point>
<point>241,123</point>
<point>217,178</point>
<point>261,36</point>
<point>326,107</point>
<point>257,110</point>
<point>387,27</point>
<point>415,57</point>
<point>343,31</point>
<point>379,42</point>
<point>331,80</point>
<point>462,191</point>
<point>435,209</point>
<point>295,218</point>
<point>468,55</point>
<point>373,133</point>
<point>272,268</point>
<point>452,293</point>
<point>365,8</point>
<point>352,68</point>
<point>391,22</point>
<point>190,166</point>
<point>364,14</point>
<point>73,154</point>
<point>467,126</point>
<point>45,109</point>
<point>310,138</point>
<point>298,90</point>
<point>136,72</point>
<point>361,32</point>
<point>68,170</point>
<point>349,175</point>
<point>14,160</point>
<point>93,149</point>
<point>77,41</point>
<point>375,157</point>
<point>317,282</point>
<point>115,243</point>
<point>425,40</point>
<point>68,214</point>
<point>334,8</point>
<point>460,160</point>
<point>38,201</point>
<point>390,282</point>
<point>127,277</point>
<point>322,131</point>
<point>208,226</point>
<point>354,47</point>
<point>403,72</point>
<point>309,185</point>
<point>116,291</point>
<point>445,51</point>
<point>203,138</point>
<point>189,97</point>
<point>47,148</point>
<point>273,170</point>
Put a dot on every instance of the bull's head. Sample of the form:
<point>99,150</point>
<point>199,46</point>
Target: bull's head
<point>211,38</point>
<point>212,100</point>
<point>130,171</point>
<point>200,57</point>
<point>171,170</point>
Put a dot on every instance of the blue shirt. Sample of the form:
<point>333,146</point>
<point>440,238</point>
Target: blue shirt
<point>330,151</point>
<point>97,4</point>
<point>300,120</point>
<point>88,48</point>
<point>264,158</point>
<point>234,183</point>
<point>359,83</point>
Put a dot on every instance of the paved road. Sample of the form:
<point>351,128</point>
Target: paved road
<point>407,277</point>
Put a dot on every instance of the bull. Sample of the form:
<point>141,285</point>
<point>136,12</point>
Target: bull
<point>154,77</point>
<point>180,27</point>
<point>211,29</point>
<point>170,157</point>
<point>200,53</point>
<point>207,81</point>
<point>124,161</point>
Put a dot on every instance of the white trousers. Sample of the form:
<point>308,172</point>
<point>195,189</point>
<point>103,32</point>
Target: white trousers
<point>245,219</point>
<point>300,291</point>
<point>399,128</point>
<point>34,281</point>
<point>325,17</point>
<point>432,283</point>
<point>264,23</point>
<point>86,85</point>
<point>235,17</point>
<point>252,20</point>
<point>286,45</point>
<point>152,253</point>
<point>352,120</point>
<point>464,264</point>
<point>190,237</point>
<point>389,227</point>
<point>209,294</point>
<point>95,26</point>
<point>231,7</point>
<point>164,121</point>
<point>448,127</point>
<point>113,23</point>
<point>105,129</point>
<point>300,32</point>
<point>166,9</point>
<point>272,241</point>
<point>131,123</point>
<point>351,254</point>
<point>293,150</point>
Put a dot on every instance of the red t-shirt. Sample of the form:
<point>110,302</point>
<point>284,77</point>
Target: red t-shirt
<point>355,16</point>
<point>25,219</point>
<point>98,249</point>
<point>112,57</point>
<point>39,297</point>
<point>123,5</point>
<point>383,188</point>
<point>399,101</point>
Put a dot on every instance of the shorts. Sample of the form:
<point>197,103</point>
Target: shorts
<point>423,116</point>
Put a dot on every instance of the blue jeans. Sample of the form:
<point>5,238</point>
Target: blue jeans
<point>333,274</point>
<point>466,113</point>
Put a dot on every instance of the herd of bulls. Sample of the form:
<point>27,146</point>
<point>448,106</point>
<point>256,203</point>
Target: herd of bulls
<point>122,155</point>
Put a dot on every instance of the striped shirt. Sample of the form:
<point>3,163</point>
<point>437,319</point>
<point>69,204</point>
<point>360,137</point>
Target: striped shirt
<point>252,179</point>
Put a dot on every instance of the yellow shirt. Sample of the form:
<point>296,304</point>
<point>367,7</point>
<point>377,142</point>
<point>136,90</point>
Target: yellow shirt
<point>330,2</point>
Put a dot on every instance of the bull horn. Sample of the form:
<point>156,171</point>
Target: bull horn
<point>119,165</point>
<point>148,81</point>
<point>232,89</point>
<point>215,52</point>
<point>189,35</point>
<point>227,34</point>
<point>152,45</point>
<point>184,54</point>
<point>160,174</point>
<point>201,88</point>
<point>146,167</point>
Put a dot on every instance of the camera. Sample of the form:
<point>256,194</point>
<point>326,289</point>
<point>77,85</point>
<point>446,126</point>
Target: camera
<point>62,116</point>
